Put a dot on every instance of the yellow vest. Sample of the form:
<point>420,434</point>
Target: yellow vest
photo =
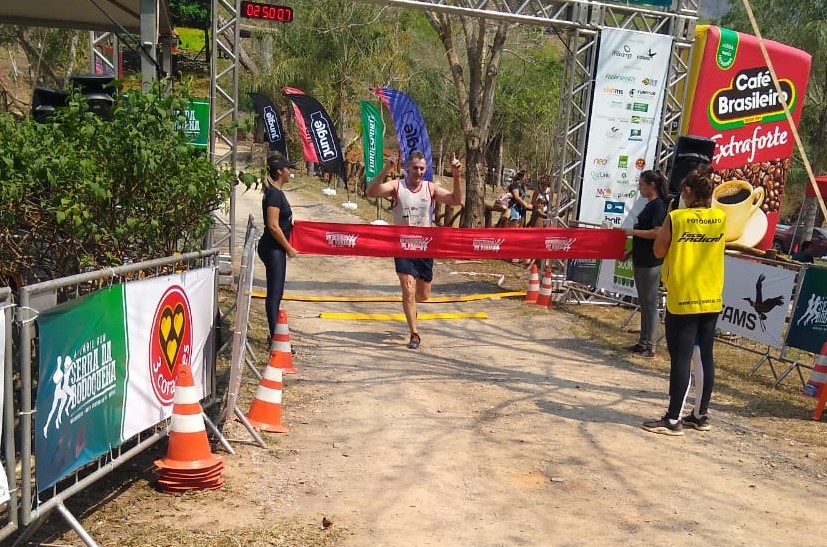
<point>693,270</point>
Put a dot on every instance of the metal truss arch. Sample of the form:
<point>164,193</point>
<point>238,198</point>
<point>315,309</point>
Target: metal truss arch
<point>578,23</point>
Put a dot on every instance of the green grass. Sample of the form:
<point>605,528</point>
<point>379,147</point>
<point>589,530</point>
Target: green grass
<point>191,39</point>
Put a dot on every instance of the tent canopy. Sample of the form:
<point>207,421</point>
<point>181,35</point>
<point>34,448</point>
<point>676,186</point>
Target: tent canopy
<point>99,15</point>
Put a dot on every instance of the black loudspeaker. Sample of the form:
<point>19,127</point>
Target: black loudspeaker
<point>98,93</point>
<point>690,152</point>
<point>45,100</point>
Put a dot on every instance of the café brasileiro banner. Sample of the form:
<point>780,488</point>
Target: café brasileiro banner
<point>732,100</point>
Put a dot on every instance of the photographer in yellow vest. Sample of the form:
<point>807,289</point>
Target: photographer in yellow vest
<point>691,241</point>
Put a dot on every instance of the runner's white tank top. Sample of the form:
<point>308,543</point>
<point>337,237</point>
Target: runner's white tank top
<point>414,208</point>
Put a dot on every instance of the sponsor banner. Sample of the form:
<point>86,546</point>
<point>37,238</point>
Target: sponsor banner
<point>113,350</point>
<point>808,326</point>
<point>196,123</point>
<point>618,276</point>
<point>83,373</point>
<point>584,272</point>
<point>308,151</point>
<point>410,126</point>
<point>373,140</point>
<point>317,128</point>
<point>269,115</point>
<point>732,100</point>
<point>4,482</point>
<point>756,300</point>
<point>324,238</point>
<point>624,123</point>
<point>169,323</point>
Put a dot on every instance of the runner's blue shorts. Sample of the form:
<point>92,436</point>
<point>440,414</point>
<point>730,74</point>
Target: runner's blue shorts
<point>420,268</point>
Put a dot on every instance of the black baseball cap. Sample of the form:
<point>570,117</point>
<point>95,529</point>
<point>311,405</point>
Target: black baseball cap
<point>277,161</point>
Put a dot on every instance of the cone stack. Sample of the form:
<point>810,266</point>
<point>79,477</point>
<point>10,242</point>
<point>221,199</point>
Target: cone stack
<point>189,464</point>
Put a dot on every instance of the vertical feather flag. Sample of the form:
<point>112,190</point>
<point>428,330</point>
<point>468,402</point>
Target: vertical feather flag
<point>410,126</point>
<point>307,144</point>
<point>272,124</point>
<point>373,134</point>
<point>318,129</point>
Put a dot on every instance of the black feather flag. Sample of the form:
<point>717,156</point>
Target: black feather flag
<point>266,110</point>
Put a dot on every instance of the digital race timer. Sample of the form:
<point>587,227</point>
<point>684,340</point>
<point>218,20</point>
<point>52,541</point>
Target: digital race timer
<point>266,12</point>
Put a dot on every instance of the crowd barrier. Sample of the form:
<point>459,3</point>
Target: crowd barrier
<point>761,299</point>
<point>71,351</point>
<point>241,353</point>
<point>9,508</point>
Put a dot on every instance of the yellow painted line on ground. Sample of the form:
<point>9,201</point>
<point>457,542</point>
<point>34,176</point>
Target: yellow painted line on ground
<point>400,316</point>
<point>435,300</point>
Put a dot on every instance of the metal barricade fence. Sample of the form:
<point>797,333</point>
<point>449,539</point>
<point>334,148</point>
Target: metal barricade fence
<point>40,297</point>
<point>580,287</point>
<point>9,507</point>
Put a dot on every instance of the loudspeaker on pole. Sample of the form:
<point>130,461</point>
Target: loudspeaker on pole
<point>690,151</point>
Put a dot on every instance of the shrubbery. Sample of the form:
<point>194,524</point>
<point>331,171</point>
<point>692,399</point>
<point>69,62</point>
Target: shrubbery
<point>79,193</point>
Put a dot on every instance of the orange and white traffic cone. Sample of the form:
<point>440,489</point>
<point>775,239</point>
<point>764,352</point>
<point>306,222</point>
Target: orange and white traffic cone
<point>815,387</point>
<point>533,290</point>
<point>265,410</point>
<point>544,297</point>
<point>281,353</point>
<point>189,464</point>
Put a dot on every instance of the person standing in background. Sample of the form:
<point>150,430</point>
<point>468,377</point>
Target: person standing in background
<point>413,205</point>
<point>274,245</point>
<point>647,267</point>
<point>519,205</point>
<point>541,203</point>
<point>692,242</point>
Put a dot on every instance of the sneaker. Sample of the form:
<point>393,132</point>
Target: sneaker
<point>647,354</point>
<point>636,348</point>
<point>701,424</point>
<point>414,342</point>
<point>664,427</point>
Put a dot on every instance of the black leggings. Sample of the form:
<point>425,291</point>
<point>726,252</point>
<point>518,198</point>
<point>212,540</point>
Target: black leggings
<point>275,264</point>
<point>681,332</point>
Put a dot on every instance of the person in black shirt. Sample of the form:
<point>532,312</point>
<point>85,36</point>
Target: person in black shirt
<point>274,246</point>
<point>647,269</point>
<point>519,205</point>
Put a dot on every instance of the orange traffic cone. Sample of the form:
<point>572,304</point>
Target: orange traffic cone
<point>281,354</point>
<point>189,464</point>
<point>265,410</point>
<point>544,297</point>
<point>533,286</point>
<point>818,379</point>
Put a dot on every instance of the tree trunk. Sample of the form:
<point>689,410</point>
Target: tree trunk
<point>266,52</point>
<point>475,82</point>
<point>473,214</point>
<point>70,65</point>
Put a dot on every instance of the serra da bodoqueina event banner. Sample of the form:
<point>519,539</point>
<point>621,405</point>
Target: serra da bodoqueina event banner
<point>733,101</point>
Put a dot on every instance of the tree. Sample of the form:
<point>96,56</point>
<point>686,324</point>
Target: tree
<point>336,52</point>
<point>475,87</point>
<point>194,14</point>
<point>80,193</point>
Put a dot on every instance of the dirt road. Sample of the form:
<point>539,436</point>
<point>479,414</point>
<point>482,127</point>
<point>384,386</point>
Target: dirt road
<point>515,430</point>
<point>507,431</point>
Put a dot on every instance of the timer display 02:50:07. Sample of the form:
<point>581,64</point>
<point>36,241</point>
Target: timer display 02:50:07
<point>266,12</point>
